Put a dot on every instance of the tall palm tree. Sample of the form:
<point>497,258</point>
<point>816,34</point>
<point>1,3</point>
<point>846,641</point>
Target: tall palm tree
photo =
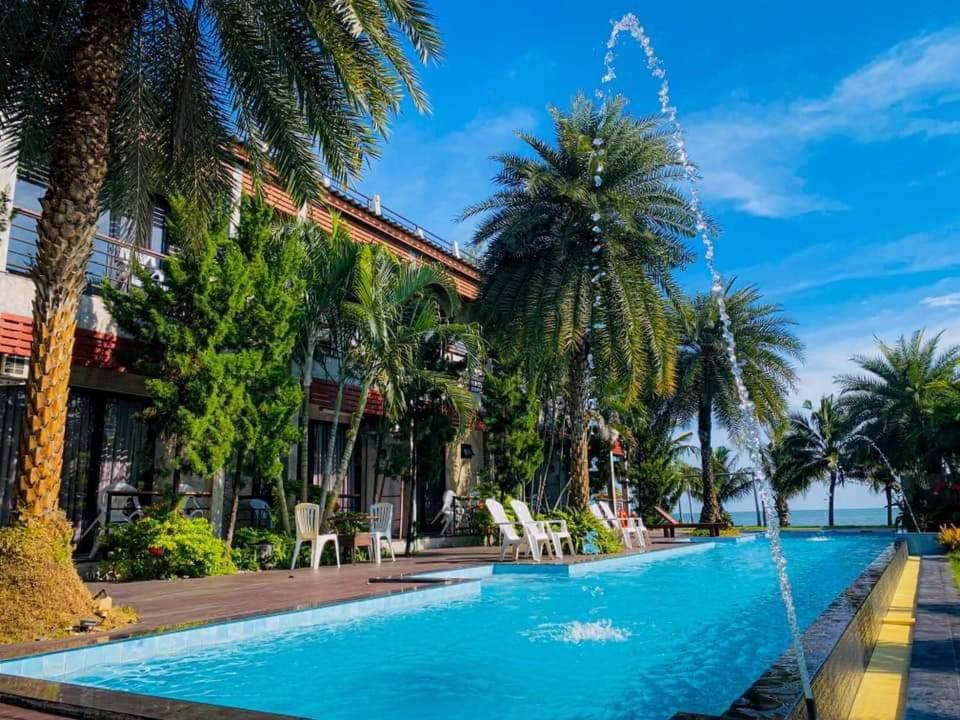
<point>894,398</point>
<point>818,446</point>
<point>394,309</point>
<point>579,258</point>
<point>766,349</point>
<point>729,483</point>
<point>124,100</point>
<point>785,483</point>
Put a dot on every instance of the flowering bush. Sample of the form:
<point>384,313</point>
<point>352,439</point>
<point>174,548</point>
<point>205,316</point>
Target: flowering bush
<point>163,544</point>
<point>949,537</point>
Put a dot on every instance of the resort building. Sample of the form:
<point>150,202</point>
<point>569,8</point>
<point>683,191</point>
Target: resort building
<point>105,438</point>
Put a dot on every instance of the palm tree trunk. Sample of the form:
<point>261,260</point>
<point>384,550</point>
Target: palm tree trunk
<point>888,491</point>
<point>833,488</point>
<point>66,227</point>
<point>328,479</point>
<point>353,430</point>
<point>710,513</point>
<point>306,382</point>
<point>579,394</point>
<point>783,510</point>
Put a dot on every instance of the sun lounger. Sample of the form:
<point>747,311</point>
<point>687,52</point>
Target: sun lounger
<point>671,524</point>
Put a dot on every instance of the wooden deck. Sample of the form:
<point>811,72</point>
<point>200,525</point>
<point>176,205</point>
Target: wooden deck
<point>166,604</point>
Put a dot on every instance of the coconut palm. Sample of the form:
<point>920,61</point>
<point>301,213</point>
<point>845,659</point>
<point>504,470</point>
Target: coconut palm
<point>818,446</point>
<point>124,100</point>
<point>581,242</point>
<point>395,310</point>
<point>894,398</point>
<point>766,349</point>
<point>784,482</point>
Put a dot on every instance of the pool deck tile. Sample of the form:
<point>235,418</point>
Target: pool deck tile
<point>934,685</point>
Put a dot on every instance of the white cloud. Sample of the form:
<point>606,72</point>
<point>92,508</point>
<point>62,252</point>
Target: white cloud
<point>752,154</point>
<point>830,262</point>
<point>948,300</point>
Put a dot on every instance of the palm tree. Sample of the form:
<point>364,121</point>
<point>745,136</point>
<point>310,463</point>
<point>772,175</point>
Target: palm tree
<point>817,447</point>
<point>331,260</point>
<point>766,347</point>
<point>124,100</point>
<point>895,397</point>
<point>729,483</point>
<point>394,310</point>
<point>579,262</point>
<point>784,482</point>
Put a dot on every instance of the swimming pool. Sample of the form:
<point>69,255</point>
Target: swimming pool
<point>642,639</point>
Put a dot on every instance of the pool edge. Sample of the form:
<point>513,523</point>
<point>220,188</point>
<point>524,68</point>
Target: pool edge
<point>838,645</point>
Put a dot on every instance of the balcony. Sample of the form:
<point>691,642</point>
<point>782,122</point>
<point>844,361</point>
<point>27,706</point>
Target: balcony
<point>111,259</point>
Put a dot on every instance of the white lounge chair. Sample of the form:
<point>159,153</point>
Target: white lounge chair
<point>308,530</point>
<point>447,512</point>
<point>626,533</point>
<point>533,539</point>
<point>632,521</point>
<point>557,536</point>
<point>381,529</point>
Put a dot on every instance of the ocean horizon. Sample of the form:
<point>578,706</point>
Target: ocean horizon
<point>842,516</point>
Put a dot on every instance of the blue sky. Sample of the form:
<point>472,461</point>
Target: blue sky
<point>827,134</point>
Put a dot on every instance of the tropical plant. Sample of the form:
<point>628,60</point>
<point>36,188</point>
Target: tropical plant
<point>164,543</point>
<point>817,446</point>
<point>896,398</point>
<point>777,469</point>
<point>395,309</point>
<point>766,349</point>
<point>136,99</point>
<point>581,242</point>
<point>512,413</point>
<point>328,276</point>
<point>729,483</point>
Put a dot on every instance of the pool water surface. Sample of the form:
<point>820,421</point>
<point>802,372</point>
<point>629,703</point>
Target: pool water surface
<point>644,640</point>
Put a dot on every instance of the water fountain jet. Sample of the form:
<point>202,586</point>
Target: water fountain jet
<point>754,434</point>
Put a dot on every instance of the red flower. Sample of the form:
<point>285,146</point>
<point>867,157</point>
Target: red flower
<point>155,551</point>
<point>480,505</point>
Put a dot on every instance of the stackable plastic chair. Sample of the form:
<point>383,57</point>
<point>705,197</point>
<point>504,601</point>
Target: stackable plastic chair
<point>557,536</point>
<point>447,512</point>
<point>308,531</point>
<point>381,529</point>
<point>628,526</point>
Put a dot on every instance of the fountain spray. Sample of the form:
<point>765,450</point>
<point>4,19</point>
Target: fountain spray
<point>753,433</point>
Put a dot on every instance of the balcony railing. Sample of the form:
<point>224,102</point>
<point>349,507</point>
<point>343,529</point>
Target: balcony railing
<point>111,259</point>
<point>406,224</point>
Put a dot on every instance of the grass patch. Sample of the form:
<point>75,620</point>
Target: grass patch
<point>955,566</point>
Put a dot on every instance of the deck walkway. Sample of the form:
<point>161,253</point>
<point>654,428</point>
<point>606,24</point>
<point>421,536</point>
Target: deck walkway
<point>934,687</point>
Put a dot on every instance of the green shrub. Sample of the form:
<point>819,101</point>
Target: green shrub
<point>163,544</point>
<point>580,522</point>
<point>247,556</point>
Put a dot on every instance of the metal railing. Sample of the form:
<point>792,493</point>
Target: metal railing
<point>112,259</point>
<point>373,205</point>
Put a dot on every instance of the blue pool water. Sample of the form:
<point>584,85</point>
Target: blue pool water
<point>688,632</point>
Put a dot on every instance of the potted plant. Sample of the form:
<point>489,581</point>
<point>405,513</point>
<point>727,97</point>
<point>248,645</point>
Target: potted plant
<point>347,524</point>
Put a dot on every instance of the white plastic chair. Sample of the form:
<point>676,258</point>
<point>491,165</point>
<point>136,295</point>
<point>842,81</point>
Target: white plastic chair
<point>557,537</point>
<point>191,508</point>
<point>381,529</point>
<point>447,512</point>
<point>532,542</point>
<point>308,530</point>
<point>118,512</point>
<point>628,527</point>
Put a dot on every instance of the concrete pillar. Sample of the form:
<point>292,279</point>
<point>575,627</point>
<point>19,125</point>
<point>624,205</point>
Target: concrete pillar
<point>236,196</point>
<point>216,502</point>
<point>8,182</point>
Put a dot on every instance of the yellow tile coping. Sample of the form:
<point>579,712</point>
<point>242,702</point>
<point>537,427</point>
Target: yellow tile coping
<point>883,690</point>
